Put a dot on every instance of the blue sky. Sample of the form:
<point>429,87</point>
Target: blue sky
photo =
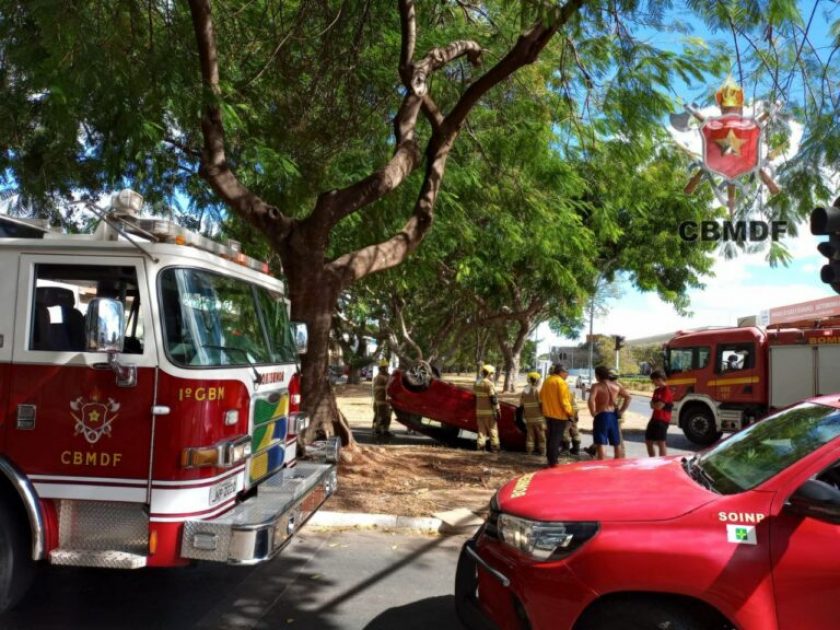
<point>741,286</point>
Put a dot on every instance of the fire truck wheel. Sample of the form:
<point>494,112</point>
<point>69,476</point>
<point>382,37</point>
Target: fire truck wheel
<point>16,565</point>
<point>630,614</point>
<point>699,425</point>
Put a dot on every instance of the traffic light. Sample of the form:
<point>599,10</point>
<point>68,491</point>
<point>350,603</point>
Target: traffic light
<point>619,342</point>
<point>826,222</point>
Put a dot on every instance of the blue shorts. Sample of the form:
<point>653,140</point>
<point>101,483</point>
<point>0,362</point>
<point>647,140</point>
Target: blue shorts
<point>605,429</point>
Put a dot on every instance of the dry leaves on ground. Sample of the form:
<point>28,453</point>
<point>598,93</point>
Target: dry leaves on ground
<point>421,480</point>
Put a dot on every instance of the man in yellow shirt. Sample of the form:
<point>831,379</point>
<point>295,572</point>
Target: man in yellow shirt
<point>557,409</point>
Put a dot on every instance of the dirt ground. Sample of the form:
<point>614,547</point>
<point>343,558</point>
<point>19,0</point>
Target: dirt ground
<point>417,480</point>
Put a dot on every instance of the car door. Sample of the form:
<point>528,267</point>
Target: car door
<point>805,555</point>
<point>73,429</point>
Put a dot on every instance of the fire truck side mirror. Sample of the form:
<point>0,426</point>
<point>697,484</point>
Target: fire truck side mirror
<point>300,335</point>
<point>105,325</point>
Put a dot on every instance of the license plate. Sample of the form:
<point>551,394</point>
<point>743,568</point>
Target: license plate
<point>222,490</point>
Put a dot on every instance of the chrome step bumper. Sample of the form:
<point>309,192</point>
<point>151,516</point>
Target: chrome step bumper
<point>106,559</point>
<point>259,527</point>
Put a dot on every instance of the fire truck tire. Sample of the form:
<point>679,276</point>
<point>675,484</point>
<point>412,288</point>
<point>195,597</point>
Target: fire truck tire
<point>643,614</point>
<point>16,565</point>
<point>699,426</point>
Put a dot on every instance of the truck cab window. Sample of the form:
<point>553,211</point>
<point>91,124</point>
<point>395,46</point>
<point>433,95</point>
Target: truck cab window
<point>62,293</point>
<point>683,359</point>
<point>212,320</point>
<point>735,357</point>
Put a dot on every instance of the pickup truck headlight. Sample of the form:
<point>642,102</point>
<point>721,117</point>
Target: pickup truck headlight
<point>542,540</point>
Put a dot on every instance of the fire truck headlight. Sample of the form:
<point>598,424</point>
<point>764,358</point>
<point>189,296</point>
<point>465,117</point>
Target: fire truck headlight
<point>222,455</point>
<point>544,541</point>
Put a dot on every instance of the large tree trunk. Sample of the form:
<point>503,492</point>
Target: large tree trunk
<point>314,294</point>
<point>513,354</point>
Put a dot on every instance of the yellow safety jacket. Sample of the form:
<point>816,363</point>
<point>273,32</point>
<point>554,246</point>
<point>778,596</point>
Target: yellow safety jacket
<point>380,385</point>
<point>555,398</point>
<point>484,389</point>
<point>530,400</point>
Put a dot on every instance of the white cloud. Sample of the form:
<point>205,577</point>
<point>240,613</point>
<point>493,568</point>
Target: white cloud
<point>741,286</point>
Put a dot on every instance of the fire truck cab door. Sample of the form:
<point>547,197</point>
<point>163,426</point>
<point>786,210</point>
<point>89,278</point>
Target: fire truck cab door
<point>738,370</point>
<point>71,427</point>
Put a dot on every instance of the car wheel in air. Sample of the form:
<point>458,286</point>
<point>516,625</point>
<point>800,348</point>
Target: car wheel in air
<point>418,377</point>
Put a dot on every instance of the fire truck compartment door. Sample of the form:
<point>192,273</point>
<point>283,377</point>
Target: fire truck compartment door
<point>80,436</point>
<point>792,376</point>
<point>828,369</point>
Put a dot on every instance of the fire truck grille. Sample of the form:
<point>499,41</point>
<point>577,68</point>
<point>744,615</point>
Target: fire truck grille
<point>103,526</point>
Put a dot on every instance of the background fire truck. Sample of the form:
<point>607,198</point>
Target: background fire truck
<point>149,401</point>
<point>726,378</point>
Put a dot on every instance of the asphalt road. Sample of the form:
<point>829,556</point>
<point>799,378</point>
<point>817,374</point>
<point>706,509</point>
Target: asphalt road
<point>333,580</point>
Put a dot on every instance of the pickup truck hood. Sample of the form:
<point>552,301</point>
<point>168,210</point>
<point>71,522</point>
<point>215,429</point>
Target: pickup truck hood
<point>648,489</point>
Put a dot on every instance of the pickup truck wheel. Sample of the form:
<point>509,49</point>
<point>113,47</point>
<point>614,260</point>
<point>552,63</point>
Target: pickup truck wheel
<point>641,615</point>
<point>699,425</point>
<point>16,565</point>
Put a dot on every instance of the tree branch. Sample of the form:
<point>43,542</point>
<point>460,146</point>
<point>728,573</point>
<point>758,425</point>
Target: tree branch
<point>214,166</point>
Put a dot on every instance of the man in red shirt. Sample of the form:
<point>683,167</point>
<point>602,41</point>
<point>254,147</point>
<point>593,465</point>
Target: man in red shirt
<point>662,402</point>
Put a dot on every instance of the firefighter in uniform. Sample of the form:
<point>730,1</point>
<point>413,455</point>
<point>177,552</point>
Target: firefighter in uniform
<point>487,410</point>
<point>534,421</point>
<point>381,407</point>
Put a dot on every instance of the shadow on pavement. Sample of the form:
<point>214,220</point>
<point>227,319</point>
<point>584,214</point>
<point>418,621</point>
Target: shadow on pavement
<point>206,595</point>
<point>437,612</point>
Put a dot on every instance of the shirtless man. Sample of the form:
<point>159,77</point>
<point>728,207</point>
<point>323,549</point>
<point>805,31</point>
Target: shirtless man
<point>602,406</point>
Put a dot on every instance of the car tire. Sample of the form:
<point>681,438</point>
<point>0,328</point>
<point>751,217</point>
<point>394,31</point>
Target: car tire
<point>418,377</point>
<point>643,615</point>
<point>16,565</point>
<point>699,426</point>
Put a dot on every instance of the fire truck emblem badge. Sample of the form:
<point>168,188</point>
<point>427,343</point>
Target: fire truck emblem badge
<point>734,158</point>
<point>93,418</point>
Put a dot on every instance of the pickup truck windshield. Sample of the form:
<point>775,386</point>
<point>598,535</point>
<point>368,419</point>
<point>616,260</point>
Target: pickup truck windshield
<point>213,320</point>
<point>761,451</point>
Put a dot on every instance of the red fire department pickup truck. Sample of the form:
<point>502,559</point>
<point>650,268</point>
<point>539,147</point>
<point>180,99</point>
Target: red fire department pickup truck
<point>743,535</point>
<point>149,405</point>
<point>726,378</point>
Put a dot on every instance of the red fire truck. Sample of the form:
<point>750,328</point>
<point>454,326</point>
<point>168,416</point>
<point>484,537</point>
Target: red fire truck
<point>148,399</point>
<point>725,378</point>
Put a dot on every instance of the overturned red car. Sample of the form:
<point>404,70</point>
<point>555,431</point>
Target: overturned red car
<point>429,405</point>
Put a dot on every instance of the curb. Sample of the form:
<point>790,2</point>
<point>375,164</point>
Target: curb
<point>388,522</point>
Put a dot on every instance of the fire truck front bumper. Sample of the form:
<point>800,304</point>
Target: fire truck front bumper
<point>259,527</point>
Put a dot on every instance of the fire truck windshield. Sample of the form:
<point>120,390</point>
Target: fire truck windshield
<point>761,451</point>
<point>211,320</point>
